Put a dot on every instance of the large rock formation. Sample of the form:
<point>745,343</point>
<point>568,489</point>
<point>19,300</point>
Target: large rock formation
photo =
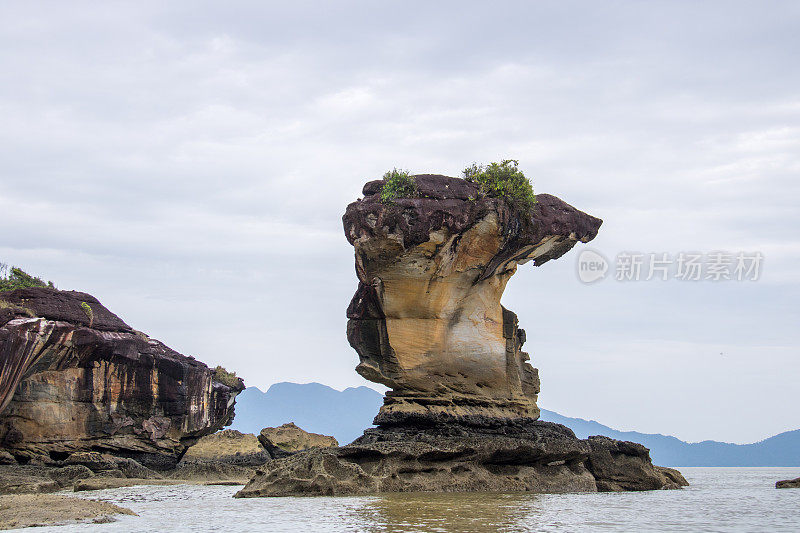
<point>426,319</point>
<point>224,456</point>
<point>288,439</point>
<point>228,446</point>
<point>74,377</point>
<point>514,456</point>
<point>230,456</point>
<point>427,322</point>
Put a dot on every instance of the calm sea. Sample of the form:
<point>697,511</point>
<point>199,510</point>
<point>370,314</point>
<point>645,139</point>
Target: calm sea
<point>719,499</point>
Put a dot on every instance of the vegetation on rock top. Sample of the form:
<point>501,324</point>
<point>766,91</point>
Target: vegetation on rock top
<point>226,378</point>
<point>16,278</point>
<point>503,180</point>
<point>498,180</point>
<point>398,184</point>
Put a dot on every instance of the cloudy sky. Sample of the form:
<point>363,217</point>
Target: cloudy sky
<point>188,163</point>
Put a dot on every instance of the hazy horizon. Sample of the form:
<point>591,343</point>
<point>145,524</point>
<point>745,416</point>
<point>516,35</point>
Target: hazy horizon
<point>375,388</point>
<point>188,164</point>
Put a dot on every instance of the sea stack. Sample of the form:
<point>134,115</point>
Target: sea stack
<point>427,322</point>
<point>426,319</point>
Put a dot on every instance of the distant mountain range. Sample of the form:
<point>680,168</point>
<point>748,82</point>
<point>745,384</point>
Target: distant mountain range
<point>345,414</point>
<point>781,450</point>
<point>314,407</point>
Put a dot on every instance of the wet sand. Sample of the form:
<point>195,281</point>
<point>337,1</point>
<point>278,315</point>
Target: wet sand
<point>27,510</point>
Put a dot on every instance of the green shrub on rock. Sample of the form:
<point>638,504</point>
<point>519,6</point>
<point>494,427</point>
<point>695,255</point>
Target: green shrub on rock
<point>225,377</point>
<point>398,184</point>
<point>503,180</point>
<point>89,313</point>
<point>19,279</point>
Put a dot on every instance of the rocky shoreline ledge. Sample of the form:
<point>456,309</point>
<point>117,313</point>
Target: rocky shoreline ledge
<point>427,322</point>
<point>227,457</point>
<point>31,510</point>
<point>520,456</point>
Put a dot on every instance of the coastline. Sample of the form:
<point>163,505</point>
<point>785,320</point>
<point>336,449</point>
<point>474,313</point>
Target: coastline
<point>728,498</point>
<point>29,510</point>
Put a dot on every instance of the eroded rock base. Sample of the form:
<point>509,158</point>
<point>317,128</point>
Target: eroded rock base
<point>521,455</point>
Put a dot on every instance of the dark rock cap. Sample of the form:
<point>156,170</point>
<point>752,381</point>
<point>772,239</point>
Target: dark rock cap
<point>65,306</point>
<point>457,205</point>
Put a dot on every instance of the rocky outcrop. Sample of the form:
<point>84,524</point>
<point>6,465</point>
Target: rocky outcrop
<point>230,456</point>
<point>228,446</point>
<point>26,479</point>
<point>83,471</point>
<point>622,466</point>
<point>426,319</point>
<point>237,448</point>
<point>517,456</point>
<point>427,322</point>
<point>225,456</point>
<point>288,439</point>
<point>788,484</point>
<point>75,378</point>
<point>80,466</point>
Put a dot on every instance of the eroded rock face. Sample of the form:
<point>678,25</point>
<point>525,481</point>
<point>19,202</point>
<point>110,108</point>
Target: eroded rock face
<point>73,380</point>
<point>517,456</point>
<point>443,458</point>
<point>426,319</point>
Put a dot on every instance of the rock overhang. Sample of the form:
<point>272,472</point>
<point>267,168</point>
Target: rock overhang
<point>454,205</point>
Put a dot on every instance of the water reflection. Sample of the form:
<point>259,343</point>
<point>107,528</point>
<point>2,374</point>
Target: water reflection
<point>719,499</point>
<point>475,512</point>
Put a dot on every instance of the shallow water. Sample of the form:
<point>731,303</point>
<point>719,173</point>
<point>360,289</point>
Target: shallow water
<point>719,499</point>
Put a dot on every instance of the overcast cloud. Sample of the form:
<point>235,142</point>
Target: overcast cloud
<point>188,164</point>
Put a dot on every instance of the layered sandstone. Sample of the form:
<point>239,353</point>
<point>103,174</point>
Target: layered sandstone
<point>74,377</point>
<point>427,322</point>
<point>426,319</point>
<point>516,456</point>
